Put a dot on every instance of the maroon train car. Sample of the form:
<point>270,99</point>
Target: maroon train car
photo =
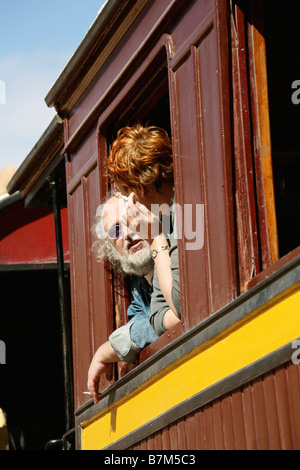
<point>221,77</point>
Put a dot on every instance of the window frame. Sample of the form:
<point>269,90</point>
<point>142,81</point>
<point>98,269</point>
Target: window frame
<point>253,147</point>
<point>154,69</point>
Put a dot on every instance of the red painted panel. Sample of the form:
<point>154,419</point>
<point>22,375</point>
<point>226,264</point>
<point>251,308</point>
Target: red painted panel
<point>27,236</point>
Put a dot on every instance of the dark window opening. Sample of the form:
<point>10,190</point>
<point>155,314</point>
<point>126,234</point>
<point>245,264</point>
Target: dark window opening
<point>153,110</point>
<point>282,38</point>
<point>31,382</point>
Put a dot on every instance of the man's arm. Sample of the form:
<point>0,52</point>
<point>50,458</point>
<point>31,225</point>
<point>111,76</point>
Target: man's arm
<point>102,360</point>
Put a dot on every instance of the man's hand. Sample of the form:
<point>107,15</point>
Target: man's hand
<point>101,363</point>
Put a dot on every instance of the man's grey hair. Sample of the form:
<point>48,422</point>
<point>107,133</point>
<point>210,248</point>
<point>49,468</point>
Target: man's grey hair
<point>102,247</point>
<point>106,251</point>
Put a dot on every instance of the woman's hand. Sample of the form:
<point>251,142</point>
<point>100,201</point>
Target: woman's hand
<point>141,220</point>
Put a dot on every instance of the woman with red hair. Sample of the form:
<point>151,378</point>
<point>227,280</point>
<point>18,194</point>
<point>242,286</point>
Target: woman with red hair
<point>141,165</point>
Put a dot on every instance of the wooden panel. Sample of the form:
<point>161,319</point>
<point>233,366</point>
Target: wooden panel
<point>284,413</point>
<point>239,428</point>
<point>191,430</point>
<point>213,174</point>
<point>201,151</point>
<point>293,379</point>
<point>187,150</point>
<point>271,411</point>
<point>260,419</point>
<point>195,18</point>
<point>218,425</point>
<point>249,420</point>
<point>262,143</point>
<point>247,231</point>
<point>80,317</point>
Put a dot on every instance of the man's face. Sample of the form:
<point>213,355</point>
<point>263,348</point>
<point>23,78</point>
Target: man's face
<point>134,253</point>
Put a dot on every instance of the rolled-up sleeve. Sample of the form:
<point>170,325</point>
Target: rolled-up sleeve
<point>123,345</point>
<point>159,306</point>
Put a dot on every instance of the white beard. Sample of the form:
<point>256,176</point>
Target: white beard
<point>138,262</point>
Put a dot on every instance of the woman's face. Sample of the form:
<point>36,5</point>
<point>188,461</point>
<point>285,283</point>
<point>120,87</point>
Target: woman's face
<point>145,196</point>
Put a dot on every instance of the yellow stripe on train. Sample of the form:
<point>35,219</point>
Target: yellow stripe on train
<point>259,334</point>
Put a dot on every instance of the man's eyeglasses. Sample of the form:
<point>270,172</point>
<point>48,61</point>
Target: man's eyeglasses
<point>115,231</point>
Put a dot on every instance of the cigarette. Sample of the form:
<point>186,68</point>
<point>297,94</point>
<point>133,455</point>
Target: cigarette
<point>89,393</point>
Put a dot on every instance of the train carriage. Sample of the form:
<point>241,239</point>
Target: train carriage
<point>221,77</point>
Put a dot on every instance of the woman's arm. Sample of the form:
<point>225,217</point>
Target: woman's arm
<point>163,268</point>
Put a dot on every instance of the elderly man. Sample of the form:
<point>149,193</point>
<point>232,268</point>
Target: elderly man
<point>141,165</point>
<point>131,255</point>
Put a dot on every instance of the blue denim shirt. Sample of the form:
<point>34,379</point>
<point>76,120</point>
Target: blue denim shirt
<point>128,340</point>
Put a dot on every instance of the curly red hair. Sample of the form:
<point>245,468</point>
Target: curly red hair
<point>140,156</point>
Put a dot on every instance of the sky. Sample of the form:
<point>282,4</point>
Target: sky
<point>37,38</point>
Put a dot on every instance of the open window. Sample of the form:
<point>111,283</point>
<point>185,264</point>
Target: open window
<point>267,163</point>
<point>147,101</point>
<point>146,108</point>
<point>282,37</point>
